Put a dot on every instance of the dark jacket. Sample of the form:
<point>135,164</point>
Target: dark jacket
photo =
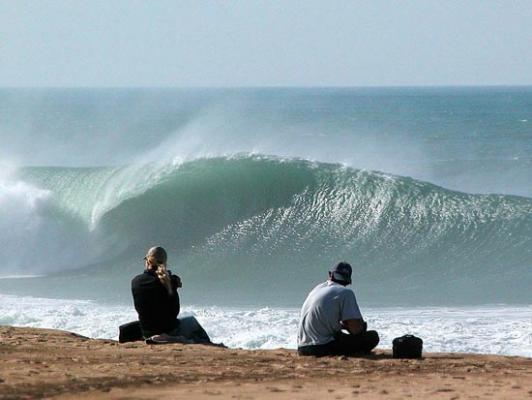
<point>157,309</point>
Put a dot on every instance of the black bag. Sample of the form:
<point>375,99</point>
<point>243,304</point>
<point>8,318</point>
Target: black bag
<point>407,346</point>
<point>130,332</point>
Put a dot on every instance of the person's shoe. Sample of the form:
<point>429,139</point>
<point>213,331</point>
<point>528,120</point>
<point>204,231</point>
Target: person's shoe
<point>165,339</point>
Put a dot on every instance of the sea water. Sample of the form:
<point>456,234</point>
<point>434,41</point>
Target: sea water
<point>256,193</point>
<point>488,329</point>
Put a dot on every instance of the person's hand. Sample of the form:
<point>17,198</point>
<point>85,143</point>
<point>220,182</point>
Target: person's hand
<point>354,326</point>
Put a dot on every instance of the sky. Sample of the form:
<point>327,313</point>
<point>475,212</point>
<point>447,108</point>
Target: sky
<point>124,43</point>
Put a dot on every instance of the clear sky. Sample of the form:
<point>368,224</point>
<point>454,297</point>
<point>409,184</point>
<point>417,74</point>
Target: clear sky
<point>265,43</point>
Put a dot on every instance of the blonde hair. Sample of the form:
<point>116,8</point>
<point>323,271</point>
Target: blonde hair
<point>156,260</point>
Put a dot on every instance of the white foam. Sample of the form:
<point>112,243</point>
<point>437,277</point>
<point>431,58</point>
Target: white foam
<point>497,329</point>
<point>35,238</point>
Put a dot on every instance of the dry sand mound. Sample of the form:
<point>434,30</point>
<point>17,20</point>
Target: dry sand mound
<point>38,363</point>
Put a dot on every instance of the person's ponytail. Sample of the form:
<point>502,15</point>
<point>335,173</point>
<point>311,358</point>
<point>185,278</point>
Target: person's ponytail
<point>156,262</point>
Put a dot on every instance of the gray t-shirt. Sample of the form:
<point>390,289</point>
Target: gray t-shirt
<point>326,305</point>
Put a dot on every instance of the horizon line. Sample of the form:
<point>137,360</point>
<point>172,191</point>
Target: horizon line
<point>276,87</point>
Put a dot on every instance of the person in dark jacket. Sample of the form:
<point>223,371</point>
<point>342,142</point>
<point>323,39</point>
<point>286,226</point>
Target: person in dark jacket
<point>157,303</point>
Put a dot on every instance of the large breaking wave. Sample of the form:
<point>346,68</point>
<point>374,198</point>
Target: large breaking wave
<point>253,227</point>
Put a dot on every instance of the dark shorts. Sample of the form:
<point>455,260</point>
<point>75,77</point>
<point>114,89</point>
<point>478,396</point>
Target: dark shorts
<point>343,344</point>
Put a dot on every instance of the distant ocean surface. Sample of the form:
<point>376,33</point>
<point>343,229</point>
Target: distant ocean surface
<point>256,193</point>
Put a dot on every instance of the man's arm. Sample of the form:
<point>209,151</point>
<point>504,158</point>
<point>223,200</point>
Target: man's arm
<point>350,315</point>
<point>355,326</point>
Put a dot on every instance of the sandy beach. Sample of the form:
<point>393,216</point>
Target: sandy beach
<point>41,363</point>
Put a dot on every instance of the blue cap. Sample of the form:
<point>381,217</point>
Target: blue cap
<point>342,272</point>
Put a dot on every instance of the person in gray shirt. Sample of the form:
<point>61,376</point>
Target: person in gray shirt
<point>331,308</point>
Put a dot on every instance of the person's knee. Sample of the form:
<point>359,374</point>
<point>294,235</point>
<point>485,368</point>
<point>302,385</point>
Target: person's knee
<point>372,337</point>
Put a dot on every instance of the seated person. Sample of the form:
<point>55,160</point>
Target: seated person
<point>157,304</point>
<point>330,308</point>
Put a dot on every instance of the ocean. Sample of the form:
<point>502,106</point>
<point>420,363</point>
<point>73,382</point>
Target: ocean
<point>256,193</point>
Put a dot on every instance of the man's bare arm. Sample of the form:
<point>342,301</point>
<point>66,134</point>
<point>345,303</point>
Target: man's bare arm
<point>355,326</point>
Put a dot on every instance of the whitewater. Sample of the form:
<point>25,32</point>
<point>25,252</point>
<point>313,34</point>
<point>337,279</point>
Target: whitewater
<point>257,193</point>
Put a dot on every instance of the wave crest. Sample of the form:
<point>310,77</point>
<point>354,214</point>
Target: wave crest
<point>260,217</point>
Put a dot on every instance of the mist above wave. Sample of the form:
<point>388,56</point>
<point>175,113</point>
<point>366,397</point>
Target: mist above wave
<point>472,140</point>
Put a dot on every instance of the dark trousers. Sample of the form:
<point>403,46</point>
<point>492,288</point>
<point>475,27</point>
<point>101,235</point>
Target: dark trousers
<point>190,328</point>
<point>343,344</point>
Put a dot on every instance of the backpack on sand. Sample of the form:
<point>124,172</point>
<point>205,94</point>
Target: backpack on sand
<point>407,346</point>
<point>130,332</point>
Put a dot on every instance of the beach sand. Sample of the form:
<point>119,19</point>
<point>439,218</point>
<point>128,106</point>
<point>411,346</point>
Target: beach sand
<point>41,363</point>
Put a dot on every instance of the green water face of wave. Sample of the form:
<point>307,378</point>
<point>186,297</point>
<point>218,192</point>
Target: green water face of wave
<point>253,229</point>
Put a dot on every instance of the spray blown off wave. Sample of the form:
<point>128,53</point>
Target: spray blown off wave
<point>261,221</point>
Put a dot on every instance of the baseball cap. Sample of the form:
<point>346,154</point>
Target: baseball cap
<point>342,272</point>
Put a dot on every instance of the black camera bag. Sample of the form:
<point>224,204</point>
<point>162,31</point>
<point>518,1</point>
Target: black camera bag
<point>407,346</point>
